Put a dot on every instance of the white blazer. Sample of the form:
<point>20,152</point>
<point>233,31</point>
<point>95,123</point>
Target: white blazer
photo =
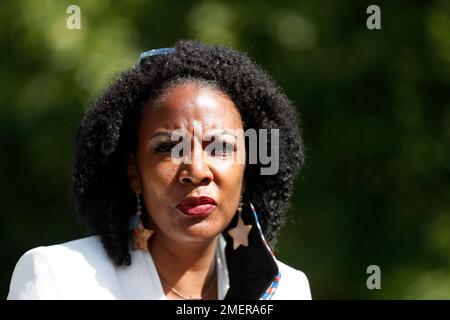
<point>81,269</point>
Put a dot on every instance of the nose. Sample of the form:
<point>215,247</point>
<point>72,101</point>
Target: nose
<point>197,172</point>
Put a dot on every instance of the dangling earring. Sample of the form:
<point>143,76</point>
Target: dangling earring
<point>241,231</point>
<point>140,234</point>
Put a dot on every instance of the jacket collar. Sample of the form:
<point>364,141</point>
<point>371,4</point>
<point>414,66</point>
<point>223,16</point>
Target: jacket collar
<point>247,273</point>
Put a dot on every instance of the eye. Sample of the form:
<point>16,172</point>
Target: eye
<point>164,147</point>
<point>222,148</point>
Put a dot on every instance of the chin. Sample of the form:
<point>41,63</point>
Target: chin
<point>201,233</point>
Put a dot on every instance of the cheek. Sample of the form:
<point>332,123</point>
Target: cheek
<point>229,182</point>
<point>228,167</point>
<point>229,178</point>
<point>158,178</point>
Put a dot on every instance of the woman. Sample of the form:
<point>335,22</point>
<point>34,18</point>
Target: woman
<point>190,224</point>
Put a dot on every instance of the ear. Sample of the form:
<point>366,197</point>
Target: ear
<point>134,178</point>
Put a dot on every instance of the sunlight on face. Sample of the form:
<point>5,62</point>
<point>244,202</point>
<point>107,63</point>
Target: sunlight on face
<point>210,122</point>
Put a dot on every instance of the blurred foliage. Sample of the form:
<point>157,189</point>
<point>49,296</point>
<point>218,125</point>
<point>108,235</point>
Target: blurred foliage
<point>375,108</point>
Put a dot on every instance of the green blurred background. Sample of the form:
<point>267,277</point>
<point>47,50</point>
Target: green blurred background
<point>375,107</point>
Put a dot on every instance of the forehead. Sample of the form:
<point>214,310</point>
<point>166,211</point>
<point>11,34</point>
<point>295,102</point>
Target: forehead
<point>189,104</point>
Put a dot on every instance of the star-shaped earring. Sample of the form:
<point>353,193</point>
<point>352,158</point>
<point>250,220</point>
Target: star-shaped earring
<point>140,233</point>
<point>241,231</point>
<point>140,238</point>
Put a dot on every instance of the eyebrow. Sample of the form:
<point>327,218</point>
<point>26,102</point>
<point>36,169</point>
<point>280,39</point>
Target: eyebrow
<point>206,136</point>
<point>220,132</point>
<point>161,133</point>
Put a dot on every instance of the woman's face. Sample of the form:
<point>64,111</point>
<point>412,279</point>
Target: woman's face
<point>199,111</point>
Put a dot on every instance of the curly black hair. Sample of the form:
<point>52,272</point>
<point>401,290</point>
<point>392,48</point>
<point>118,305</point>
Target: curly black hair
<point>108,133</point>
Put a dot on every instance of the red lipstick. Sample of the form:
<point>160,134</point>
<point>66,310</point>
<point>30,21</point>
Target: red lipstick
<point>197,206</point>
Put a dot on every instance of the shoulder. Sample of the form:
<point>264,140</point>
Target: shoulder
<point>293,285</point>
<point>68,271</point>
<point>89,246</point>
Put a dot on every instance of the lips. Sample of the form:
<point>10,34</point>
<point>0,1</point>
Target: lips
<point>197,206</point>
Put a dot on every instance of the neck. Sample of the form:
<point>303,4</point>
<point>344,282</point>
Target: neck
<point>187,267</point>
